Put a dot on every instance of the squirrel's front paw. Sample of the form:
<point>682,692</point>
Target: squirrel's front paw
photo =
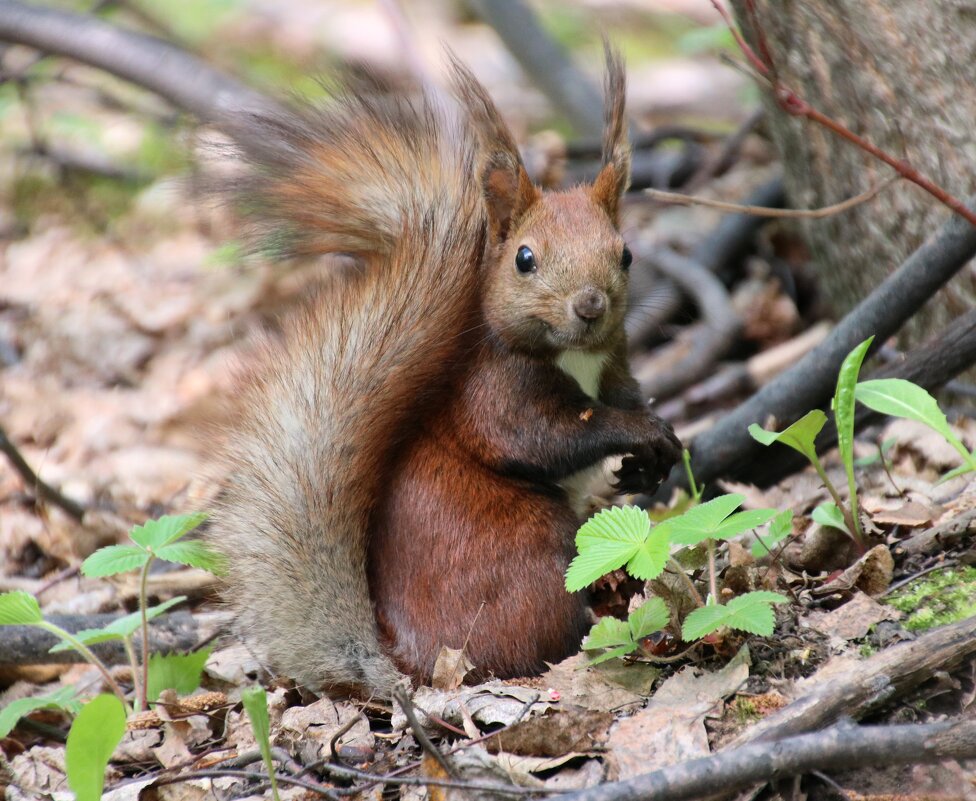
<point>651,463</point>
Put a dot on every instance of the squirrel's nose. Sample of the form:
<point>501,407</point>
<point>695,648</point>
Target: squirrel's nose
<point>589,304</point>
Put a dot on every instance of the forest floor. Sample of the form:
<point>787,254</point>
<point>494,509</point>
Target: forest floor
<point>128,311</point>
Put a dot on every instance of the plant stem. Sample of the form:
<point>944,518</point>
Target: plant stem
<point>712,572</point>
<point>142,686</point>
<point>852,524</point>
<point>90,656</point>
<point>683,575</point>
<point>696,491</point>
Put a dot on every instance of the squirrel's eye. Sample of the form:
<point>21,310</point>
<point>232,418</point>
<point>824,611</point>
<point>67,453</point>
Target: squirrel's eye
<point>626,258</point>
<point>525,260</point>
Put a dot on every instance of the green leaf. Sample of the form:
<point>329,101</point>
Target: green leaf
<point>195,553</point>
<point>255,702</point>
<point>19,608</point>
<point>900,398</point>
<point>652,555</point>
<point>752,613</point>
<point>606,541</point>
<point>613,653</point>
<point>93,737</point>
<point>647,618</point>
<point>800,436</point>
<point>702,621</point>
<point>827,514</point>
<point>63,698</point>
<point>608,633</point>
<point>113,559</point>
<point>169,528</point>
<point>180,672</point>
<point>741,522</point>
<point>118,629</point>
<point>843,405</point>
<point>702,522</point>
<point>956,471</point>
<point>779,529</point>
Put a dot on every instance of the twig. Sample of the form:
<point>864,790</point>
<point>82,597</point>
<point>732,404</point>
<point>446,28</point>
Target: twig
<point>402,697</point>
<point>876,681</point>
<point>760,211</point>
<point>790,102</point>
<point>729,152</point>
<point>215,773</point>
<point>334,742</point>
<point>43,490</point>
<point>424,781</point>
<point>837,748</point>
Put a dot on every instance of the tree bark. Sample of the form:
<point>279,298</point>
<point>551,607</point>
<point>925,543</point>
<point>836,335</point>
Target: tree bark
<point>899,73</point>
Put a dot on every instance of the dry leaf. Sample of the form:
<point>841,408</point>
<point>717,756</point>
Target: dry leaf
<point>450,669</point>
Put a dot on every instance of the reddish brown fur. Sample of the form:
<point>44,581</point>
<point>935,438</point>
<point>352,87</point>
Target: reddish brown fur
<point>418,436</point>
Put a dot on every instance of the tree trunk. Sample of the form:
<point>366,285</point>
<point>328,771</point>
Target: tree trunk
<point>901,74</point>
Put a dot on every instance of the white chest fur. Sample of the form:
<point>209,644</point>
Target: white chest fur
<point>587,369</point>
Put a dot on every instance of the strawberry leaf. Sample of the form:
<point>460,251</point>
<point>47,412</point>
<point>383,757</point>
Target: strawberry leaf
<point>114,559</point>
<point>608,540</point>
<point>155,534</point>
<point>647,618</point>
<point>19,608</point>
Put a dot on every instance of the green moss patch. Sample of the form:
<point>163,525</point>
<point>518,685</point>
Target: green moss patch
<point>944,596</point>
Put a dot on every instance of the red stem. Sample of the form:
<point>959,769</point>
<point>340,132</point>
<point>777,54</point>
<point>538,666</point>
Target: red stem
<point>793,104</point>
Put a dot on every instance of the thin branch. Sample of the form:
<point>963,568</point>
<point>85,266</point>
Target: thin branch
<point>761,211</point>
<point>837,748</point>
<point>790,102</point>
<point>402,697</point>
<point>43,490</point>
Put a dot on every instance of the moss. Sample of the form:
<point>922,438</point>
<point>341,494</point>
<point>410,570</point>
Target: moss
<point>745,711</point>
<point>938,598</point>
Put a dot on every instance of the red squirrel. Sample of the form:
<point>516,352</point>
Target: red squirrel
<point>407,472</point>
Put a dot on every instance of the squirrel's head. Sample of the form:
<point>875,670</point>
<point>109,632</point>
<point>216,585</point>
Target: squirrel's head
<point>557,271</point>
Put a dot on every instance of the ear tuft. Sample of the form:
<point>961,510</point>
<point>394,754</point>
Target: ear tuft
<point>614,178</point>
<point>507,188</point>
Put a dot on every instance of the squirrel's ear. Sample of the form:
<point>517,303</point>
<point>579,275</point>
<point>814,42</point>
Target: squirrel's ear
<point>508,192</point>
<point>506,185</point>
<point>614,178</point>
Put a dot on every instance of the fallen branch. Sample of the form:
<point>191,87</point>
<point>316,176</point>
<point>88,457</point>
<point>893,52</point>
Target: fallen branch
<point>706,343</point>
<point>545,62</point>
<point>930,365</point>
<point>656,300</point>
<point>172,633</point>
<point>43,490</point>
<point>727,449</point>
<point>184,80</point>
<point>838,748</point>
<point>876,681</point>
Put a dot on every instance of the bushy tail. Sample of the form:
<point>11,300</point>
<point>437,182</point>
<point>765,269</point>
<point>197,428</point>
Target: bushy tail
<point>388,179</point>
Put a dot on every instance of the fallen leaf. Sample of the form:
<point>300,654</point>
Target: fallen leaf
<point>852,620</point>
<point>450,669</point>
<point>671,728</point>
<point>554,735</point>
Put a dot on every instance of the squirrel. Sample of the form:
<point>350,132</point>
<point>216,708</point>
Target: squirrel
<point>407,471</point>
